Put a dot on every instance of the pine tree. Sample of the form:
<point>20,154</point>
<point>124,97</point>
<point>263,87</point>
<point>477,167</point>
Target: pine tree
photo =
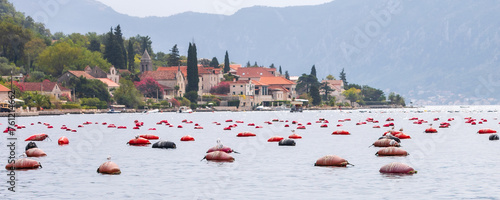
<point>192,69</point>
<point>226,63</point>
<point>110,47</point>
<point>214,63</point>
<point>174,59</point>
<point>272,66</point>
<point>343,78</point>
<point>287,76</point>
<point>131,56</point>
<point>313,71</point>
<point>121,47</point>
<point>280,70</point>
<point>248,64</point>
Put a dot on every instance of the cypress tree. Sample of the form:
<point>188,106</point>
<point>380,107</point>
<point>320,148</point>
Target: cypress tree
<point>280,70</point>
<point>287,76</point>
<point>226,63</point>
<point>131,55</point>
<point>313,71</point>
<point>272,66</point>
<point>109,49</point>
<point>192,69</point>
<point>315,95</point>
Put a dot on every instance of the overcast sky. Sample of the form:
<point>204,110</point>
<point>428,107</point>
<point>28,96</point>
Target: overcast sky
<point>144,8</point>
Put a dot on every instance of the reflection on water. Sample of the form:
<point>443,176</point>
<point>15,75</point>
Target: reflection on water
<point>454,163</point>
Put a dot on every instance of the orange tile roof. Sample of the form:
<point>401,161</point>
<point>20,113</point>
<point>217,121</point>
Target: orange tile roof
<point>45,86</point>
<point>277,87</point>
<point>234,66</point>
<point>109,82</point>
<point>257,83</point>
<point>81,73</point>
<point>3,88</point>
<point>159,75</point>
<point>276,81</point>
<point>253,72</point>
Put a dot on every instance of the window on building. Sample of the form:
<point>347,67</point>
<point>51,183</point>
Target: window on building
<point>241,93</point>
<point>241,85</point>
<point>234,93</point>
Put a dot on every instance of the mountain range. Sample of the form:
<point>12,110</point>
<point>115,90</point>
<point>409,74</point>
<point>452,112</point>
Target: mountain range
<point>431,52</point>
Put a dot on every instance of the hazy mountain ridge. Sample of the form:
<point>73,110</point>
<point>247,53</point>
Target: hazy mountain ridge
<point>432,51</point>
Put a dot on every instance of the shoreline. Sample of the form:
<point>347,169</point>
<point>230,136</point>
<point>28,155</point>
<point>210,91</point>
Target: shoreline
<point>216,109</point>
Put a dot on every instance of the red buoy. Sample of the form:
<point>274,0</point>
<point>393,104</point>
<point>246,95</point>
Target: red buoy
<point>219,156</point>
<point>227,128</point>
<point>258,127</point>
<point>323,126</point>
<point>135,127</point>
<point>386,143</point>
<point>376,126</point>
<point>331,160</point>
<point>149,137</point>
<point>401,135</point>
<point>286,125</point>
<point>23,163</point>
<point>295,136</point>
<point>229,120</point>
<point>187,138</point>
<point>486,131</point>
<point>398,168</point>
<point>198,127</point>
<point>37,137</point>
<point>341,132</point>
<point>275,139</point>
<point>111,126</point>
<point>431,130</point>
<point>35,152</point>
<point>180,126</point>
<point>224,149</point>
<point>245,134</point>
<point>251,124</point>
<point>391,151</point>
<point>152,129</point>
<point>121,127</point>
<point>109,168</point>
<point>63,140</point>
<point>301,127</point>
<point>139,141</point>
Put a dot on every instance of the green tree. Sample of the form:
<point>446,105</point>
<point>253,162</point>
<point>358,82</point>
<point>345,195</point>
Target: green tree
<point>12,40</point>
<point>127,94</point>
<point>214,63</point>
<point>327,89</point>
<point>313,71</point>
<point>287,76</point>
<point>372,94</point>
<point>130,55</point>
<point>63,56</point>
<point>6,68</point>
<point>330,77</point>
<point>316,98</point>
<point>161,59</point>
<point>33,49</point>
<point>226,63</point>
<point>280,70</point>
<point>192,69</point>
<point>192,96</point>
<point>95,45</point>
<point>121,47</point>
<point>112,51</point>
<point>35,99</point>
<point>305,82</point>
<point>352,94</point>
<point>85,88</point>
<point>174,58</point>
<point>272,66</point>
<point>342,77</point>
<point>248,64</point>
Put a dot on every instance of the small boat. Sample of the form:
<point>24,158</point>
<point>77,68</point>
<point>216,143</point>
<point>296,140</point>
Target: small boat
<point>152,111</point>
<point>184,109</point>
<point>262,108</point>
<point>112,111</point>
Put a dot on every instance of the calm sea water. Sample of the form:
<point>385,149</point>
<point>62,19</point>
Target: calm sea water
<point>456,163</point>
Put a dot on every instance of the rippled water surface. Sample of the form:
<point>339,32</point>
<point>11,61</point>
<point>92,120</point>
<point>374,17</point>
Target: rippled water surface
<point>455,163</point>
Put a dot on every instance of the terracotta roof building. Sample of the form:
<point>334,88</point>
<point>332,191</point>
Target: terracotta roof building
<point>4,93</point>
<point>45,88</point>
